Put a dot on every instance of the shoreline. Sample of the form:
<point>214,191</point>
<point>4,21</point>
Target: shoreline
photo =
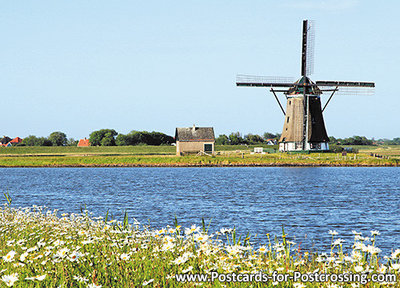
<point>197,165</point>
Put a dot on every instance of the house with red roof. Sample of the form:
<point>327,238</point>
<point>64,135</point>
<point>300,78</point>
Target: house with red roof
<point>84,143</point>
<point>8,142</point>
<point>16,141</point>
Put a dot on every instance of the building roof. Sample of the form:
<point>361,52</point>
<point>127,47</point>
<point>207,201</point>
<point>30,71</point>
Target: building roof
<point>16,140</point>
<point>84,143</point>
<point>5,140</point>
<point>193,134</point>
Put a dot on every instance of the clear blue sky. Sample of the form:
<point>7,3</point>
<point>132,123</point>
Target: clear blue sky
<point>79,66</point>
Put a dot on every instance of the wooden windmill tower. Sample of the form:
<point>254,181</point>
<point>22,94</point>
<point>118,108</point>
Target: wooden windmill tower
<point>304,127</point>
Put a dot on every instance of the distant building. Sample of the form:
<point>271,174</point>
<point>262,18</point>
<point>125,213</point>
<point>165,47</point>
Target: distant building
<point>8,142</point>
<point>5,140</point>
<point>194,140</point>
<point>271,142</point>
<point>15,141</point>
<point>84,143</point>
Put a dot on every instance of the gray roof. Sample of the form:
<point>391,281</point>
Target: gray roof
<point>194,134</point>
<point>5,140</point>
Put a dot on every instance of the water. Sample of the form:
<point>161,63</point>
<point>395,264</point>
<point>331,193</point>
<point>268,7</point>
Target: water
<point>307,201</point>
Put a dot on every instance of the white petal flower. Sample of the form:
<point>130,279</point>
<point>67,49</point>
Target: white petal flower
<point>180,260</point>
<point>93,286</point>
<point>263,249</point>
<point>39,278</point>
<point>190,268</point>
<point>9,257</point>
<point>145,283</point>
<point>201,237</point>
<point>125,256</point>
<point>10,279</point>
<point>358,269</point>
<point>338,242</point>
<point>23,256</point>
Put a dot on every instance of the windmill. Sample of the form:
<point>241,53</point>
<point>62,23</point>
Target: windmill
<point>304,127</point>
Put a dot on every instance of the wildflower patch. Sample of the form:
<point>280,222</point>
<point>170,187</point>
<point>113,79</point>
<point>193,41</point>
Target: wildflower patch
<point>39,248</point>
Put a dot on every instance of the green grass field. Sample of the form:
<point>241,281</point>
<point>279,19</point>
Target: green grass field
<point>133,150</point>
<point>239,155</point>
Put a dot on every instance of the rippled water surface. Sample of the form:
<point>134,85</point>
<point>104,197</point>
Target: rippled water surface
<point>307,201</point>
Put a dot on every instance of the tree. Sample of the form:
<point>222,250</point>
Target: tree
<point>253,139</point>
<point>32,140</point>
<point>43,141</point>
<point>332,140</point>
<point>222,140</point>
<point>108,139</point>
<point>72,142</point>
<point>236,138</point>
<point>268,135</point>
<point>96,137</point>
<point>144,137</point>
<point>122,140</point>
<point>58,138</point>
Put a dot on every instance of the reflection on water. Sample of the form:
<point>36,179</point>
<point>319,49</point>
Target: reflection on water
<point>307,201</point>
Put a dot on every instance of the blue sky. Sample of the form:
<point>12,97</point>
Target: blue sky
<point>79,66</point>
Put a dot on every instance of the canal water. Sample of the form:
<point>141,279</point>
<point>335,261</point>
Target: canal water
<point>307,202</point>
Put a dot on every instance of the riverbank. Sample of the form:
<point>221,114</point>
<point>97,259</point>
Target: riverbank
<point>163,156</point>
<point>198,161</point>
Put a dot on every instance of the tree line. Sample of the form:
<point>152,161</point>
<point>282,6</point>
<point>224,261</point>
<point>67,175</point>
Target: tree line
<point>110,137</point>
<point>102,137</point>
<point>56,138</point>
<point>362,140</point>
<point>236,138</point>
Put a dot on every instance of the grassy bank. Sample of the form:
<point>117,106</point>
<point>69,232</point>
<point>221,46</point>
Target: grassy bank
<point>95,150</point>
<point>158,156</point>
<point>41,249</point>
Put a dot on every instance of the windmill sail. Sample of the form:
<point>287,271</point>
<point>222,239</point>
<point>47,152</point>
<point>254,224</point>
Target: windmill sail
<point>307,54</point>
<point>346,84</point>
<point>310,47</point>
<point>263,81</point>
<point>349,87</point>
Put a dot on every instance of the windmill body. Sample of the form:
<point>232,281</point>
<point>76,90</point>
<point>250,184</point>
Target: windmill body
<point>304,127</point>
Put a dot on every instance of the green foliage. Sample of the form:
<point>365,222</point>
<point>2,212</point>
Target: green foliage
<point>32,140</point>
<point>394,141</point>
<point>144,137</point>
<point>355,140</point>
<point>8,198</point>
<point>72,142</point>
<point>332,140</point>
<point>58,138</point>
<point>236,139</point>
<point>122,140</point>
<point>253,139</point>
<point>268,135</point>
<point>103,137</point>
<point>249,139</point>
<point>335,148</point>
<point>222,140</point>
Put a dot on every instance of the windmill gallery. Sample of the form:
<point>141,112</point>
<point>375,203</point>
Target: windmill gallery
<point>304,127</point>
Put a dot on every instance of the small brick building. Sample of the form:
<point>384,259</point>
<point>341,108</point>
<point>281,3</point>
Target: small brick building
<point>194,140</point>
